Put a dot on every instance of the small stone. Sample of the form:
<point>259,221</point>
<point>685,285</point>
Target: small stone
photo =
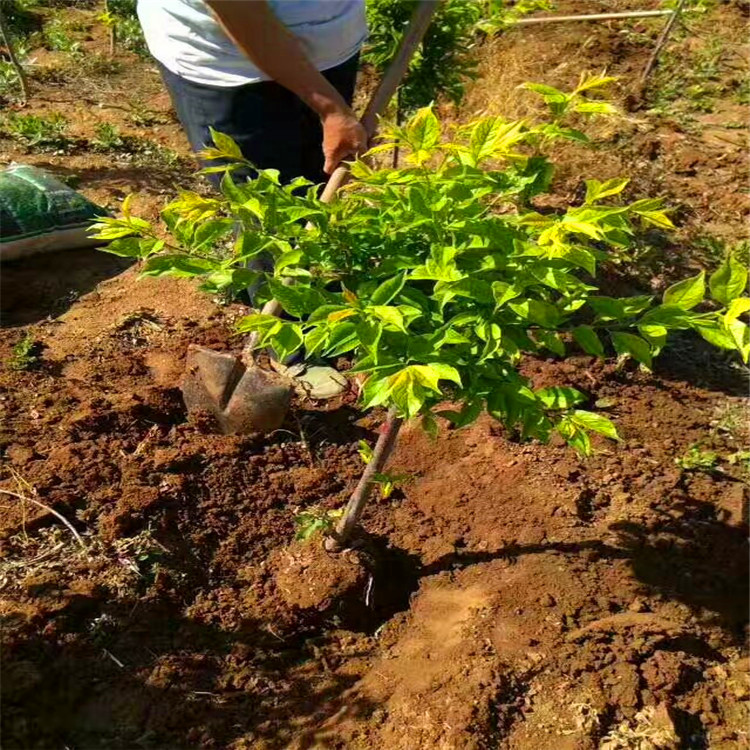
<point>548,600</point>
<point>323,382</point>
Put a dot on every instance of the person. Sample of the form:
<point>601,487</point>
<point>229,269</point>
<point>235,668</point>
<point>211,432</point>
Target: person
<point>277,76</point>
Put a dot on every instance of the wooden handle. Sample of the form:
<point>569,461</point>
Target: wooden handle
<point>418,25</point>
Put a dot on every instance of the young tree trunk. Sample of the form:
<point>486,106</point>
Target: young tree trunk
<point>15,62</point>
<point>361,495</point>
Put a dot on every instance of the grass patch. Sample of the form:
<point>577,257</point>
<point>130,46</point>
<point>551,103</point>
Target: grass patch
<point>43,132</point>
<point>25,354</point>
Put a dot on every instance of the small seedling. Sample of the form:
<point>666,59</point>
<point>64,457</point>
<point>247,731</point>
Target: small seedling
<point>25,354</point>
<point>315,521</point>
<point>142,116</point>
<point>37,130</point>
<point>696,459</point>
<point>108,138</point>
<point>57,38</point>
<point>741,459</point>
<point>388,481</point>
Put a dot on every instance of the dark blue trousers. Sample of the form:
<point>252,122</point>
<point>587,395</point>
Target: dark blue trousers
<point>274,128</point>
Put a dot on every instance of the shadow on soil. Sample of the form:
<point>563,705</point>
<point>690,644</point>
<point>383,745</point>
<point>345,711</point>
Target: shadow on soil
<point>145,678</point>
<point>688,554</point>
<point>44,285</point>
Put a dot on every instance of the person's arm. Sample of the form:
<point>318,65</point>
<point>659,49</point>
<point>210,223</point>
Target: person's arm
<point>255,29</point>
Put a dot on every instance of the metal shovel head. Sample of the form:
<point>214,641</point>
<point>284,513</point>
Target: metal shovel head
<point>241,399</point>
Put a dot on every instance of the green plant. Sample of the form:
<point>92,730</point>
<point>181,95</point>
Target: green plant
<point>388,481</point>
<point>688,81</point>
<point>37,130</point>
<point>121,18</point>
<point>314,521</point>
<point>108,138</point>
<point>25,354</point>
<point>741,459</point>
<point>57,37</point>
<point>142,116</point>
<point>446,60</point>
<point>436,278</point>
<point>697,459</point>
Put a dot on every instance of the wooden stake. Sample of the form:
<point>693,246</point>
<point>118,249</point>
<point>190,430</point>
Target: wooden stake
<point>663,37</point>
<point>15,62</point>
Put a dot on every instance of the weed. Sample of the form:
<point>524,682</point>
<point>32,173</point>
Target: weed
<point>108,138</point>
<point>37,130</point>
<point>741,459</point>
<point>447,59</point>
<point>388,481</point>
<point>100,65</point>
<point>143,117</point>
<point>314,521</point>
<point>8,79</point>
<point>25,354</point>
<point>731,420</point>
<point>57,37</point>
<point>649,730</point>
<point>696,459</point>
<point>155,156</point>
<point>688,81</point>
<point>742,91</point>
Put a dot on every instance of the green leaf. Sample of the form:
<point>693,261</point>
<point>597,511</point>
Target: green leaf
<point>429,425</point>
<point>288,258</point>
<point>717,336</point>
<point>686,293</point>
<point>597,108</point>
<point>728,281</point>
<point>343,338</point>
<point>627,344</point>
<point>466,416</point>
<point>551,341</point>
<point>297,300</point>
<point>388,290</point>
<point>125,247</point>
<point>504,292</point>
<point>422,134</point>
<point>538,312</point>
<point>430,374</point>
<point>738,306</point>
<point>287,340</point>
<point>559,397</point>
<point>389,315</point>
<point>595,422</point>
<point>574,435</point>
<point>256,322</point>
<point>587,339</point>
<point>740,333</point>
<point>596,190</point>
<point>226,145</point>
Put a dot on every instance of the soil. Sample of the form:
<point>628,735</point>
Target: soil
<point>507,595</point>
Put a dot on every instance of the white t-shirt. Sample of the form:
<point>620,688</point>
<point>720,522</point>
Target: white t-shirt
<point>184,36</point>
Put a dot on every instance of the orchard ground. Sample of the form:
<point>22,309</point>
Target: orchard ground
<point>516,595</point>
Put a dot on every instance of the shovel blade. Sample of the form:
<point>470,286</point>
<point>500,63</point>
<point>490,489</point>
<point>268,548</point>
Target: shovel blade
<point>241,399</point>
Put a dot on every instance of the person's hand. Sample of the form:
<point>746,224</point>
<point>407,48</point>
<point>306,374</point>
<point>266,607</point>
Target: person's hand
<point>343,137</point>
